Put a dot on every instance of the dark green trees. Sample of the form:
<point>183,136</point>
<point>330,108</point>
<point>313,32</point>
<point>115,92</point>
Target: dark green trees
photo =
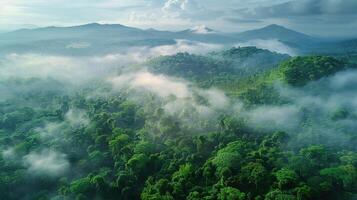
<point>300,70</point>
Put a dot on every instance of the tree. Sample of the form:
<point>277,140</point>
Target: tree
<point>279,195</point>
<point>299,70</point>
<point>82,187</point>
<point>182,180</point>
<point>344,176</point>
<point>229,193</point>
<point>286,178</point>
<point>230,156</point>
<point>256,174</point>
<point>138,164</point>
<point>159,190</point>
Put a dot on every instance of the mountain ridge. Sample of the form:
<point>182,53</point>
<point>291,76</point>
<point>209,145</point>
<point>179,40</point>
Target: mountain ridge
<point>118,34</point>
<point>279,32</point>
<point>203,27</point>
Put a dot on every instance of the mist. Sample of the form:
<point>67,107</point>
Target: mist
<point>273,45</point>
<point>177,97</point>
<point>106,124</point>
<point>46,162</point>
<point>323,111</point>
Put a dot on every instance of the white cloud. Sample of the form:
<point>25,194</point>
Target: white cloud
<point>61,68</point>
<point>47,163</point>
<point>178,8</point>
<point>177,94</point>
<point>310,115</point>
<point>286,118</point>
<point>77,70</point>
<point>77,118</point>
<point>202,29</point>
<point>74,118</point>
<point>8,154</point>
<point>185,46</point>
<point>158,84</point>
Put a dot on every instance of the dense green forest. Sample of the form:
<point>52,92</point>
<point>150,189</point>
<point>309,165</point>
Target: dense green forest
<point>240,124</point>
<point>217,68</point>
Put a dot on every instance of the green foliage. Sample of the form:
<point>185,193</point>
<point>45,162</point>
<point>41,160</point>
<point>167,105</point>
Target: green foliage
<point>230,193</point>
<point>229,158</point>
<point>129,150</point>
<point>286,178</point>
<point>217,68</point>
<point>344,176</point>
<point>300,70</point>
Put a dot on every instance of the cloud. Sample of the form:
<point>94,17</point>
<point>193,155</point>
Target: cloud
<point>181,7</point>
<point>77,118</point>
<point>69,69</point>
<point>8,154</point>
<point>323,111</point>
<point>189,9</point>
<point>76,71</point>
<point>185,46</point>
<point>306,8</point>
<point>306,15</point>
<point>178,95</point>
<point>74,118</point>
<point>46,162</point>
<point>157,84</point>
<point>287,117</point>
<point>318,17</point>
<point>273,45</point>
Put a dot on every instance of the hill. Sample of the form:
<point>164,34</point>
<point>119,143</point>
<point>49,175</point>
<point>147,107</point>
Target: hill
<point>88,39</point>
<point>299,71</point>
<point>295,72</point>
<point>217,68</point>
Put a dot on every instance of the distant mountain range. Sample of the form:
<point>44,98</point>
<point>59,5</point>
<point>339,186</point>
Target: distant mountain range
<point>97,38</point>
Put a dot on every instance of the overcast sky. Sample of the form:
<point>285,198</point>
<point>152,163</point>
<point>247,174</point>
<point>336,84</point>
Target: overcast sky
<point>317,17</point>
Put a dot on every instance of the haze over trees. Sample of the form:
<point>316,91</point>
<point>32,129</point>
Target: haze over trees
<point>165,120</point>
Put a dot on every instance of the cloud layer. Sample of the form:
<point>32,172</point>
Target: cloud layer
<point>76,71</point>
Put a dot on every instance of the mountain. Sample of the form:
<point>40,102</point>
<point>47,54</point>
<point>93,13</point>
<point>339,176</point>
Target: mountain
<point>250,58</point>
<point>94,38</point>
<point>221,66</point>
<point>88,39</point>
<point>285,35</point>
<point>202,33</point>
<point>93,30</point>
<point>12,27</point>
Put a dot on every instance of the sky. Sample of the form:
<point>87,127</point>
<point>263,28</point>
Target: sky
<point>330,18</point>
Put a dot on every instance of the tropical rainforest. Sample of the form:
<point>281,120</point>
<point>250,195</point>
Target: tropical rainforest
<point>237,123</point>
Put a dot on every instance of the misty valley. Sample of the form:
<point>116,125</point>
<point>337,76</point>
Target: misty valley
<point>107,112</point>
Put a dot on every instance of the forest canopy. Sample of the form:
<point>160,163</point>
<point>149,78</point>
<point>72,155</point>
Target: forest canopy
<point>133,136</point>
